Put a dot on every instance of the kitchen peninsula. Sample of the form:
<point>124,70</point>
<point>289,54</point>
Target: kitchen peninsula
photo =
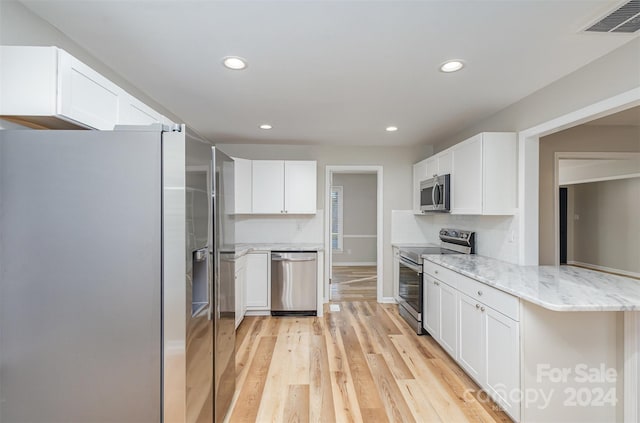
<point>548,343</point>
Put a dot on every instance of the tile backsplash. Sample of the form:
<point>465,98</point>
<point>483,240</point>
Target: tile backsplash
<point>496,236</point>
<point>280,228</point>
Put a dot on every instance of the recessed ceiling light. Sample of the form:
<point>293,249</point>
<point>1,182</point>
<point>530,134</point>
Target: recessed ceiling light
<point>234,62</point>
<point>266,126</point>
<point>391,128</point>
<point>451,66</point>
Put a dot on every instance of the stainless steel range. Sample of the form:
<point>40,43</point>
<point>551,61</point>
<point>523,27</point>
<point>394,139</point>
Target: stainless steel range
<point>452,241</point>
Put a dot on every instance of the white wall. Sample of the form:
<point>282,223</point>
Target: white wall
<point>607,232</point>
<point>493,233</point>
<point>582,138</point>
<point>612,74</point>
<point>397,177</point>
<point>359,218</point>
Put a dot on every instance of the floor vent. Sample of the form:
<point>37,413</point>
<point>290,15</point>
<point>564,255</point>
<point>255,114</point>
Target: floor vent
<point>626,18</point>
<point>334,307</point>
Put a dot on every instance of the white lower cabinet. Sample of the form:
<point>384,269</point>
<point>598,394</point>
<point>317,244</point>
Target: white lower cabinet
<point>489,350</point>
<point>448,329</point>
<point>258,282</point>
<point>502,378</point>
<point>439,316</point>
<point>471,339</point>
<point>431,301</point>
<point>241,282</point>
<point>482,339</point>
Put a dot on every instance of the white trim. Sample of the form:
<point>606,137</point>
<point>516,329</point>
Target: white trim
<point>388,300</point>
<point>378,170</point>
<point>556,185</point>
<point>258,313</point>
<point>359,236</point>
<point>528,164</point>
<point>353,263</point>
<point>605,269</point>
<point>631,366</point>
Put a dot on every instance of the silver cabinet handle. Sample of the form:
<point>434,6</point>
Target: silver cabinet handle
<point>477,305</point>
<point>481,308</point>
<point>436,272</point>
<point>480,293</point>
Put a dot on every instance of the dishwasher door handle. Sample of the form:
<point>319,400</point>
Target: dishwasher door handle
<point>284,259</point>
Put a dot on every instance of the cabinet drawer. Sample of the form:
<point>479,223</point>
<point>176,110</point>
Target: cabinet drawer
<point>498,300</point>
<point>442,273</point>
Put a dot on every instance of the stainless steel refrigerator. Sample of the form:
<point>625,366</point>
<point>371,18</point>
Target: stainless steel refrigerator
<point>116,277</point>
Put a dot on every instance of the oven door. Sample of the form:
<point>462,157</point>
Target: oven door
<point>410,293</point>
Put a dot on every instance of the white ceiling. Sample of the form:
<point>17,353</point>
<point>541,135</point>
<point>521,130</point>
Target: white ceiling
<point>335,72</point>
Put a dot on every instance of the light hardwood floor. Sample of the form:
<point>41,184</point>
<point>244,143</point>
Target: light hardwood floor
<point>360,364</point>
<point>353,283</point>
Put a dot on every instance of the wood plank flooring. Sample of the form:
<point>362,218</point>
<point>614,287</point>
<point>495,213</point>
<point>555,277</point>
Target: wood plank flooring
<point>360,364</point>
<point>354,283</point>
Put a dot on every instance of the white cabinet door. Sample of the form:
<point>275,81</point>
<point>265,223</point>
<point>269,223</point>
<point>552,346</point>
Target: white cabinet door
<point>466,177</point>
<point>300,187</point>
<point>242,190</point>
<point>431,301</point>
<point>258,288</point>
<point>431,167</point>
<point>503,359</point>
<point>448,319</point>
<point>471,337</point>
<point>444,163</point>
<point>267,184</point>
<point>419,175</point>
<point>500,170</point>
<point>396,273</point>
<point>132,111</point>
<point>84,95</point>
<point>241,277</point>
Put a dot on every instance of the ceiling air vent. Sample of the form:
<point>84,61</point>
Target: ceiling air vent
<point>624,19</point>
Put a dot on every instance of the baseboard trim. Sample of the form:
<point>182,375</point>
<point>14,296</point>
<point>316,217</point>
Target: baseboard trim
<point>354,263</point>
<point>388,300</point>
<point>258,313</point>
<point>605,269</point>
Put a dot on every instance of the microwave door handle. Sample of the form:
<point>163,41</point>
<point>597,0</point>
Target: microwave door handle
<point>436,195</point>
<point>433,195</point>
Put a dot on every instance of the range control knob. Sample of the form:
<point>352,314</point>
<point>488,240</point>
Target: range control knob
<point>453,234</point>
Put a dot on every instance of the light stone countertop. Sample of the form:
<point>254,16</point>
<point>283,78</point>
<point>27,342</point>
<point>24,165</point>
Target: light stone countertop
<point>242,249</point>
<point>558,288</point>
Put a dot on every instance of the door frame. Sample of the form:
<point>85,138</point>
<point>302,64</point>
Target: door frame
<point>357,169</point>
<point>528,186</point>
<point>528,165</point>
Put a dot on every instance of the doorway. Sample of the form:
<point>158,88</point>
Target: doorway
<point>563,199</point>
<point>353,233</point>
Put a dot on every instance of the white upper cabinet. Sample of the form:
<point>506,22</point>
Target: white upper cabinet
<point>484,175</point>
<point>132,111</point>
<point>444,162</point>
<point>243,189</point>
<point>85,96</point>
<point>300,187</point>
<point>46,87</point>
<point>267,186</point>
<point>432,167</point>
<point>280,186</point>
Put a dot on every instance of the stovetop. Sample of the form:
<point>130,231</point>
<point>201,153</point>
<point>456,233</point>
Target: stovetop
<point>453,241</point>
<point>414,254</point>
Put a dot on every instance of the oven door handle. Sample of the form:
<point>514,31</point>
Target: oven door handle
<point>414,267</point>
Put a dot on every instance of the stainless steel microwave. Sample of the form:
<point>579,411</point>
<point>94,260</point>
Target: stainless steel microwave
<point>434,194</point>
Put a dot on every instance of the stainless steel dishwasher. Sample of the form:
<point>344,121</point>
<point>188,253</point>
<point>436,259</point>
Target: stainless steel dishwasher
<point>294,283</point>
